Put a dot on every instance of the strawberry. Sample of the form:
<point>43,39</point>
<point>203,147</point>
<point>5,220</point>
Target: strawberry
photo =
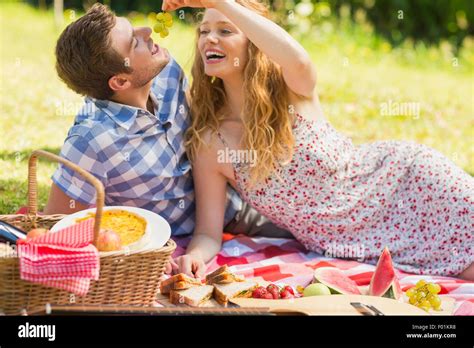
<point>267,296</point>
<point>270,287</point>
<point>274,290</point>
<point>289,289</point>
<point>285,294</point>
<point>259,292</point>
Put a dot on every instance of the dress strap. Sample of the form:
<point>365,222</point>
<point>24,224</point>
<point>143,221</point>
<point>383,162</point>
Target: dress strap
<point>222,139</point>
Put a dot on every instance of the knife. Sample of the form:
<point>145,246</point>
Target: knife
<point>366,309</point>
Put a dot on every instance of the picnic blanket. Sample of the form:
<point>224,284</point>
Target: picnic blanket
<point>286,261</point>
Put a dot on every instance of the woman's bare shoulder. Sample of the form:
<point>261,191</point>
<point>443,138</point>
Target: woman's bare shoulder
<point>211,143</point>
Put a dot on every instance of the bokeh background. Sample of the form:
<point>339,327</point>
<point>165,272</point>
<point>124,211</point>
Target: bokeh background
<point>371,55</point>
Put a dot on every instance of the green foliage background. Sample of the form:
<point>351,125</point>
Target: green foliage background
<point>429,20</point>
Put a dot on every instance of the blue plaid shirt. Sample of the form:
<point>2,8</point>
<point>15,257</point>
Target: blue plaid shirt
<point>140,158</point>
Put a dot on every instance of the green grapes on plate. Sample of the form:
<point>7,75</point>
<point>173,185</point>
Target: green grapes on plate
<point>425,296</point>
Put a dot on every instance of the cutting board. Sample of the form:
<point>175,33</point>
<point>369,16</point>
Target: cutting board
<point>339,305</point>
<point>164,300</point>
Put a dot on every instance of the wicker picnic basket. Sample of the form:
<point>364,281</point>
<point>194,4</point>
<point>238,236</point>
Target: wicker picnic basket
<point>131,279</point>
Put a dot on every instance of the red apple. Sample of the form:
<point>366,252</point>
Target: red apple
<point>36,232</point>
<point>108,241</point>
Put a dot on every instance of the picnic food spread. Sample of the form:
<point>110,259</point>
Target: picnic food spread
<point>224,286</point>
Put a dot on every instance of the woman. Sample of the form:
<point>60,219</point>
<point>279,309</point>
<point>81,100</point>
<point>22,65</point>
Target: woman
<point>253,93</point>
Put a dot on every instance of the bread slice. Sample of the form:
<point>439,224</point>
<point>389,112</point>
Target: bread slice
<point>225,278</point>
<point>222,275</point>
<point>178,282</point>
<point>193,296</point>
<point>224,292</point>
<point>218,271</point>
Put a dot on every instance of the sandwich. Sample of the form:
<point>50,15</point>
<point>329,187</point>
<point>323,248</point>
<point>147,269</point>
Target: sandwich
<point>222,275</point>
<point>224,292</point>
<point>178,282</point>
<point>194,296</point>
<point>221,283</point>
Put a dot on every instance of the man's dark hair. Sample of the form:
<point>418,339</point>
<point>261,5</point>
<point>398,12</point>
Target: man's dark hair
<point>85,59</point>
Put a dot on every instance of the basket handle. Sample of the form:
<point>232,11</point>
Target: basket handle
<point>33,185</point>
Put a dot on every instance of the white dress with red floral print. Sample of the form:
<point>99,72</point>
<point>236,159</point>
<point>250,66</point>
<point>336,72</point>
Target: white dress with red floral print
<point>398,194</point>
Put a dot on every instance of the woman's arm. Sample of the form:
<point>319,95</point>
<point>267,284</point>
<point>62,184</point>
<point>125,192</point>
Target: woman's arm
<point>60,203</point>
<point>210,188</point>
<point>298,69</point>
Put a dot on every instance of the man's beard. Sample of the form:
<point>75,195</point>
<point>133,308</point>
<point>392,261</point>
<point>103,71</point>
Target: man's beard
<point>143,76</point>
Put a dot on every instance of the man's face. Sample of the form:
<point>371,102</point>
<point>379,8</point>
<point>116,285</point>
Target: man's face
<point>146,58</point>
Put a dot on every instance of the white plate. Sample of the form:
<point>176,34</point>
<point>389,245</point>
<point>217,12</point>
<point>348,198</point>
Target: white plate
<point>157,232</point>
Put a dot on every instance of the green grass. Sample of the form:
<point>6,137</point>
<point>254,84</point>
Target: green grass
<point>357,73</point>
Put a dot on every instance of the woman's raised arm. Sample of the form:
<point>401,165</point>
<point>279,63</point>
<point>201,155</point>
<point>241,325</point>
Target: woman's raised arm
<point>298,69</point>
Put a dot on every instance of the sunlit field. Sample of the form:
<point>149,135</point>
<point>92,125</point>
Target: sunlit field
<point>368,89</point>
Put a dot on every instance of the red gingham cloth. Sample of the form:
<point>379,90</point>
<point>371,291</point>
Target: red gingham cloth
<point>66,259</point>
<point>286,261</point>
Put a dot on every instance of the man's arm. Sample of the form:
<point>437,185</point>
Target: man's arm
<point>70,191</point>
<point>60,203</point>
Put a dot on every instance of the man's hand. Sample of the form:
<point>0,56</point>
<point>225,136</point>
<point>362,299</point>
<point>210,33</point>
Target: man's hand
<point>171,5</point>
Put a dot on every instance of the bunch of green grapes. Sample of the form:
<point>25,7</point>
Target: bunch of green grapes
<point>165,21</point>
<point>425,295</point>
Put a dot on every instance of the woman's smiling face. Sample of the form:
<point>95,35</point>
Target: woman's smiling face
<point>223,47</point>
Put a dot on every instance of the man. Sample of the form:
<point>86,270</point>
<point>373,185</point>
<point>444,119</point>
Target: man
<point>130,132</point>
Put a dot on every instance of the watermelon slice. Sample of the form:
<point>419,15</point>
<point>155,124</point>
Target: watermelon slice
<point>336,281</point>
<point>384,281</point>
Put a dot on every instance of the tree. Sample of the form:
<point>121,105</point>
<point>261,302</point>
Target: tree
<point>58,12</point>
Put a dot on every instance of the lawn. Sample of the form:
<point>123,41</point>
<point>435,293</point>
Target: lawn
<point>359,75</point>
